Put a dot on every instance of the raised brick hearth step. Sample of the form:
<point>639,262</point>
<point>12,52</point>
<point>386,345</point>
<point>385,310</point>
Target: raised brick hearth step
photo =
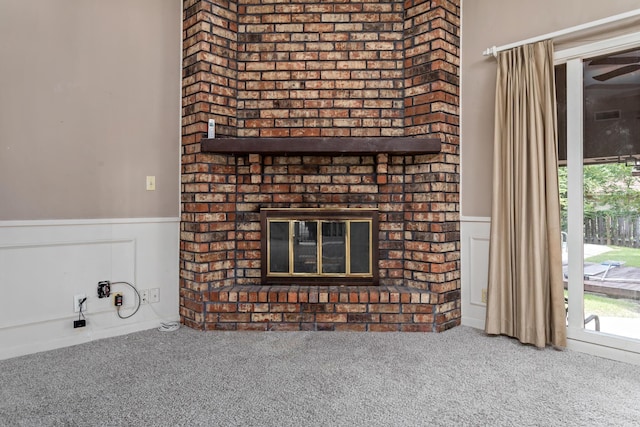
<point>325,308</point>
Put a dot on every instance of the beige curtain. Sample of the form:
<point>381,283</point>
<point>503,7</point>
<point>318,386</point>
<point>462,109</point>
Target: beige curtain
<point>525,296</point>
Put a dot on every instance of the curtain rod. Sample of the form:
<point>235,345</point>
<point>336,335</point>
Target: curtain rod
<point>493,51</point>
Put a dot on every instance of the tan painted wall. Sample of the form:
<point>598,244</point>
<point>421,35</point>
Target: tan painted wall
<point>486,23</point>
<point>89,106</point>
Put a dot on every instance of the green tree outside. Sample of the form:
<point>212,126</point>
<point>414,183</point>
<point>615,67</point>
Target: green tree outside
<point>610,190</point>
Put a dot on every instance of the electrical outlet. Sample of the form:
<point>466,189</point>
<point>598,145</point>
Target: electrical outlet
<point>104,289</point>
<point>154,295</point>
<point>144,296</point>
<point>76,303</point>
<point>484,295</point>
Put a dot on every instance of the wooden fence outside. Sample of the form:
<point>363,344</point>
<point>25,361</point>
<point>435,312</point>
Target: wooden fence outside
<point>615,231</point>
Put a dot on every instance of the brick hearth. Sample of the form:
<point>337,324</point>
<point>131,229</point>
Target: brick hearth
<point>320,308</point>
<point>331,69</point>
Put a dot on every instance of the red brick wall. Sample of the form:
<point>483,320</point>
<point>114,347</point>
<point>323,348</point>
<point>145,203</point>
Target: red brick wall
<point>210,67</point>
<point>432,236</point>
<point>321,68</point>
<point>207,239</point>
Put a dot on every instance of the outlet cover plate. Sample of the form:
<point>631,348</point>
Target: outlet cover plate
<point>154,295</point>
<point>144,296</point>
<point>76,303</point>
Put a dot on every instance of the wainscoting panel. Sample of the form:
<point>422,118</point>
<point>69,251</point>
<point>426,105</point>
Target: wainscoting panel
<point>474,235</point>
<point>41,274</point>
<point>44,264</point>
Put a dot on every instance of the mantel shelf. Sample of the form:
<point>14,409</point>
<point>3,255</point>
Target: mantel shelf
<point>322,146</point>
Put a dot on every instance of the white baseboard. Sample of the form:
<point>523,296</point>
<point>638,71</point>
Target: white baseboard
<point>473,322</point>
<point>80,338</point>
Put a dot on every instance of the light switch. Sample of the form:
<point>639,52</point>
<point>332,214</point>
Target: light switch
<point>151,183</point>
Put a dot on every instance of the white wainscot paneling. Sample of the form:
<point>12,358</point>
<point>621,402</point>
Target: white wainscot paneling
<point>40,276</point>
<point>474,234</point>
<point>43,264</point>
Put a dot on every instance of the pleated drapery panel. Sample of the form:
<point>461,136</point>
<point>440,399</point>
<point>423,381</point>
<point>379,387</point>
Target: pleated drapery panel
<point>525,297</point>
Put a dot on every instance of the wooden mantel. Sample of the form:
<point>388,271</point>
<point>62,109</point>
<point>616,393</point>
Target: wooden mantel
<point>322,146</point>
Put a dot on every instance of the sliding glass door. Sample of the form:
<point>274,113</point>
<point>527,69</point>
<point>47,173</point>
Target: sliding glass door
<point>599,151</point>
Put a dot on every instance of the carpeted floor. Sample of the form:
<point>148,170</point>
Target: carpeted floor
<point>189,378</point>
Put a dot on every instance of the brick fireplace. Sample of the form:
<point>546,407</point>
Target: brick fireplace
<point>331,70</point>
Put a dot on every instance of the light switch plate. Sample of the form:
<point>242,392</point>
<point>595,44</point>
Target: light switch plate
<point>151,183</point>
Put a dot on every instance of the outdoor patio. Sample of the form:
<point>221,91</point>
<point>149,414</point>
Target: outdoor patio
<point>611,280</point>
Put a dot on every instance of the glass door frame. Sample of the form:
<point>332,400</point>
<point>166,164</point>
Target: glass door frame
<point>573,58</point>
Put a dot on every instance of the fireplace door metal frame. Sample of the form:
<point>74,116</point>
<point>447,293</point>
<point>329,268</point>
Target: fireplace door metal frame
<point>308,260</point>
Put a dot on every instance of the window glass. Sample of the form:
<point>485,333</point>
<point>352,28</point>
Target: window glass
<point>561,102</point>
<point>612,107</point>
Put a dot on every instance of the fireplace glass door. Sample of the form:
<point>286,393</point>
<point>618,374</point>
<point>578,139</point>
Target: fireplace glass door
<point>305,247</point>
<point>320,246</point>
<point>334,247</point>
